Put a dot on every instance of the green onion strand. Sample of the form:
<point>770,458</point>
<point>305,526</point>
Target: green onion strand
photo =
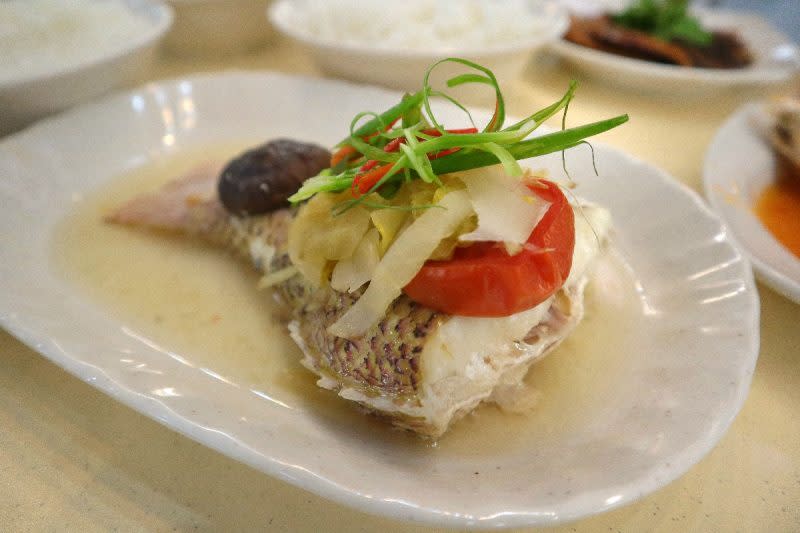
<point>420,155</point>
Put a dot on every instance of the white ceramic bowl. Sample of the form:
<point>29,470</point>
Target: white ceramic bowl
<point>217,27</point>
<point>404,68</point>
<point>27,97</point>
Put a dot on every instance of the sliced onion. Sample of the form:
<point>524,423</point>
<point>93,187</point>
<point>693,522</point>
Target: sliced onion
<point>402,262</point>
<point>317,236</point>
<point>507,210</point>
<point>351,273</point>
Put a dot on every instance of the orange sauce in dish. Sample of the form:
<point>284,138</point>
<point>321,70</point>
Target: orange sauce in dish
<point>778,208</point>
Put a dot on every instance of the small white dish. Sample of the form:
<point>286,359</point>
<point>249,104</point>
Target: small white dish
<point>739,164</point>
<point>403,67</point>
<point>776,60</point>
<point>657,397</point>
<point>217,27</point>
<point>26,97</point>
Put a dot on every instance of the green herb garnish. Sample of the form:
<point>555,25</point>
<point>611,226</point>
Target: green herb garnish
<point>380,155</point>
<point>666,19</point>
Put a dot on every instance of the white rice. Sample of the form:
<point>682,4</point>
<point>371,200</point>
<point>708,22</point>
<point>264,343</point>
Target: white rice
<point>439,25</point>
<point>39,36</point>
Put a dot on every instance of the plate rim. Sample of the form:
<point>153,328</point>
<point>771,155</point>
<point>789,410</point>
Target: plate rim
<point>319,484</point>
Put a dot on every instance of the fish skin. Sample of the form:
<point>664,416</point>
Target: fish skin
<point>384,361</point>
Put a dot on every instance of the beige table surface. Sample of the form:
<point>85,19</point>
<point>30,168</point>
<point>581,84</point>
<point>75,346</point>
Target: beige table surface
<point>73,459</point>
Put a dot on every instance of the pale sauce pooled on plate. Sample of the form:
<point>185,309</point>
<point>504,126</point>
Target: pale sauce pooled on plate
<point>202,303</point>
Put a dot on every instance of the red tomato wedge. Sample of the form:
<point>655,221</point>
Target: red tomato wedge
<point>483,280</point>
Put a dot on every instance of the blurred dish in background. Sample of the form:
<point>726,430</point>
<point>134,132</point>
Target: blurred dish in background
<point>774,59</point>
<point>218,27</point>
<point>57,54</point>
<point>660,32</point>
<point>37,34</point>
<point>393,43</point>
<point>755,187</point>
<point>778,206</point>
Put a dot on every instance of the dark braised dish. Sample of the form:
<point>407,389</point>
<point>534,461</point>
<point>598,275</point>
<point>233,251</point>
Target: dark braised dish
<point>660,31</point>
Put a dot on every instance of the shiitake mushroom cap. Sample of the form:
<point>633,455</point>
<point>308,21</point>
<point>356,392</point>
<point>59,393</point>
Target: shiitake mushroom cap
<point>261,179</point>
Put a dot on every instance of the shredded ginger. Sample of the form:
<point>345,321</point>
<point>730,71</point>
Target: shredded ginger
<point>402,262</point>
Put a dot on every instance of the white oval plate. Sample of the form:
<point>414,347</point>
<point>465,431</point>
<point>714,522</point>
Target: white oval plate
<point>776,60</point>
<point>681,374</point>
<point>739,164</point>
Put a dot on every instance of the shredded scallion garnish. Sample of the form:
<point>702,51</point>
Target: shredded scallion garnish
<point>407,142</point>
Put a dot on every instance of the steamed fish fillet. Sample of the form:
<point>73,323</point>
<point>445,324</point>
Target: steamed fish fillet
<point>420,368</point>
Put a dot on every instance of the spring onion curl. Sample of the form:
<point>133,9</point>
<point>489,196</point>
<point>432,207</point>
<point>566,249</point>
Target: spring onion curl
<point>407,142</point>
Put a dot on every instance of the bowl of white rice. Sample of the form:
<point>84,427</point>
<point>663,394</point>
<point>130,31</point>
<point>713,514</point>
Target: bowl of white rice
<point>393,43</point>
<point>55,54</point>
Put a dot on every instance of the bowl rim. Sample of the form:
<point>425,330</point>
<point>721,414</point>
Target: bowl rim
<point>165,18</point>
<point>277,11</point>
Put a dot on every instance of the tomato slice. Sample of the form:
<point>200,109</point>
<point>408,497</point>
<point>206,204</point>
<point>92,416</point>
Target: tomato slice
<point>484,280</point>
